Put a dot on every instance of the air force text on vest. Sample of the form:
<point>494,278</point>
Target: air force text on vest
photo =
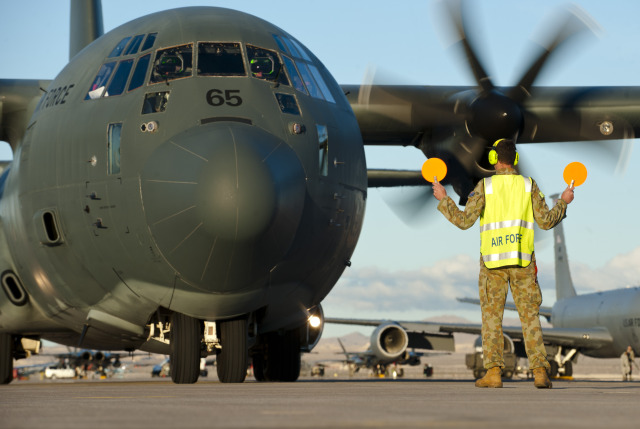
<point>509,238</point>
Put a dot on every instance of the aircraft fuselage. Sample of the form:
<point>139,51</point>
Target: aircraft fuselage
<point>214,169</point>
<point>617,310</point>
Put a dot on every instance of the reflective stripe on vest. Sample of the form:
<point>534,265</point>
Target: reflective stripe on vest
<point>506,223</point>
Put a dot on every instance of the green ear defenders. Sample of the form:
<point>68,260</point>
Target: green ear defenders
<point>493,155</point>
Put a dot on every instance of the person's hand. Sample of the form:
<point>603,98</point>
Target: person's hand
<point>438,191</point>
<point>567,195</point>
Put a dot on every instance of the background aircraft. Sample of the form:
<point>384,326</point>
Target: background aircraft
<point>600,325</point>
<point>99,223</point>
<point>380,361</point>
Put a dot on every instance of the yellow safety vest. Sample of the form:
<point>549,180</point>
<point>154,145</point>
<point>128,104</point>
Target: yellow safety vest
<point>506,223</point>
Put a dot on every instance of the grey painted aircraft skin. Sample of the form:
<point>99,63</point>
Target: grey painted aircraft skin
<point>204,183</point>
<point>617,310</point>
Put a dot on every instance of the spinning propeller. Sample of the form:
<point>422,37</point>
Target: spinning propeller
<point>489,113</point>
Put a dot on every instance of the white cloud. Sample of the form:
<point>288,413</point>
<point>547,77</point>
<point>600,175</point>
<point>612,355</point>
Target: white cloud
<point>433,289</point>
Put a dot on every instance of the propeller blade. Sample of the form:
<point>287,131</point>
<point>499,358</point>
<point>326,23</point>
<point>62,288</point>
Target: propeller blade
<point>414,205</point>
<point>574,23</point>
<point>457,12</point>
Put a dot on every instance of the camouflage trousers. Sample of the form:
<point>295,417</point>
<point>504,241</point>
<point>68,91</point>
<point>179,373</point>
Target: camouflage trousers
<point>494,286</point>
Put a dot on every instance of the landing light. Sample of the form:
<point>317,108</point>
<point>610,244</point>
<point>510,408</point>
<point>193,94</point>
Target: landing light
<point>314,321</point>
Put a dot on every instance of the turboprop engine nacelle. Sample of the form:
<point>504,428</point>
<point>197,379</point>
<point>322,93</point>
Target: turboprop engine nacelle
<point>389,341</point>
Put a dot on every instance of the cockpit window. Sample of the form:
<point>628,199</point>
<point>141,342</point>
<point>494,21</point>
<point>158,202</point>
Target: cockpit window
<point>324,89</point>
<point>302,52</point>
<point>155,102</point>
<point>266,65</point>
<point>119,81</point>
<point>100,82</point>
<point>172,63</point>
<point>295,76</point>
<point>119,47</point>
<point>137,80</point>
<point>220,59</point>
<point>280,43</point>
<point>148,43</point>
<point>288,103</point>
<point>134,45</point>
<point>309,82</point>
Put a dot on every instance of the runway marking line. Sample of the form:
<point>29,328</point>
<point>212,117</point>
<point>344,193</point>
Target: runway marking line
<point>122,397</point>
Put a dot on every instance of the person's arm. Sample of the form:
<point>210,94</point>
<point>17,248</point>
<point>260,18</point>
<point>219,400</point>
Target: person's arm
<point>548,218</point>
<point>473,208</point>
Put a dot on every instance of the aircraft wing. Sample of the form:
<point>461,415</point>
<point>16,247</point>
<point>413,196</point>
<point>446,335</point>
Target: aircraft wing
<point>589,338</point>
<point>18,100</point>
<point>408,115</point>
<point>544,311</point>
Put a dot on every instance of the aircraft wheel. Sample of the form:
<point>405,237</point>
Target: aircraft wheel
<point>6,358</point>
<point>553,370</point>
<point>479,373</point>
<point>508,375</point>
<point>568,369</point>
<point>258,367</point>
<point>232,360</point>
<point>186,338</point>
<point>283,357</point>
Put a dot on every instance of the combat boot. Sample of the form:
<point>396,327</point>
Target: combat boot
<point>493,378</point>
<point>541,379</point>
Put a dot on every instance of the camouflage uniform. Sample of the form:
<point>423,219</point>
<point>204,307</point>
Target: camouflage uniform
<point>494,283</point>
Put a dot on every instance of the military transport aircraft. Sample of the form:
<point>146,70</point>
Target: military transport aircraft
<point>194,182</point>
<point>600,325</point>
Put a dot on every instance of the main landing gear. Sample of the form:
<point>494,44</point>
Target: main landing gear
<point>232,360</point>
<point>187,349</point>
<point>6,358</point>
<point>186,341</point>
<point>278,357</point>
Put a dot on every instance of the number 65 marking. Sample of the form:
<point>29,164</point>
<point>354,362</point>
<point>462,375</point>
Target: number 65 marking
<point>216,97</point>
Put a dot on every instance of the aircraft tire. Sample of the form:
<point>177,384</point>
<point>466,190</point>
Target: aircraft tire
<point>258,367</point>
<point>479,373</point>
<point>232,360</point>
<point>553,370</point>
<point>186,337</point>
<point>568,369</point>
<point>283,357</point>
<point>6,358</point>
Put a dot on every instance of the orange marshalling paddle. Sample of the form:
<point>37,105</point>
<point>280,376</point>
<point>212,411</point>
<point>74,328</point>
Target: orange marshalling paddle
<point>575,174</point>
<point>434,170</point>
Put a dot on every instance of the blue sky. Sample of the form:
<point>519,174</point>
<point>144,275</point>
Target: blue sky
<point>406,272</point>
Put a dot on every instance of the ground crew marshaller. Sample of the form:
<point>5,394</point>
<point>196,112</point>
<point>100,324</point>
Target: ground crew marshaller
<point>507,205</point>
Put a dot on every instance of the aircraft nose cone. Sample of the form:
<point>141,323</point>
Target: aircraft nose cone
<point>223,203</point>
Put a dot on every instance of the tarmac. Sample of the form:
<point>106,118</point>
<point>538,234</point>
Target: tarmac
<point>317,403</point>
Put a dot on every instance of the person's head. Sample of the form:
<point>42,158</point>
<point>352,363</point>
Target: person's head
<point>506,151</point>
<point>629,349</point>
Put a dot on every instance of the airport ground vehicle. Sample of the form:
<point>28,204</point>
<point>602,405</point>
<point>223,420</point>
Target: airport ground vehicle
<point>53,372</point>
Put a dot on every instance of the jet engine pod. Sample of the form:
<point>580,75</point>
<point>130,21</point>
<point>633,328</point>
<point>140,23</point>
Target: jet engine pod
<point>389,341</point>
<point>223,202</point>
